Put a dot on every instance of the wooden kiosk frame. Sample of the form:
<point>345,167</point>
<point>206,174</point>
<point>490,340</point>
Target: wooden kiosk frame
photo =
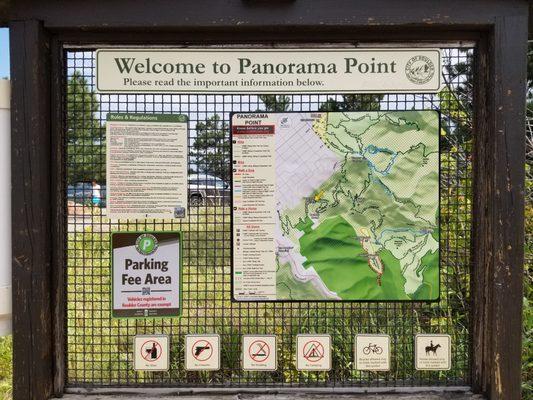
<point>40,28</point>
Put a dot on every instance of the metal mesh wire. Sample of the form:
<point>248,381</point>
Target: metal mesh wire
<point>99,348</point>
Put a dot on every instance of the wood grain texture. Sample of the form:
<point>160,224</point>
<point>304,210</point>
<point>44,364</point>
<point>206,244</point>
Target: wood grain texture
<point>498,233</point>
<point>30,138</point>
<point>499,27</point>
<point>269,15</point>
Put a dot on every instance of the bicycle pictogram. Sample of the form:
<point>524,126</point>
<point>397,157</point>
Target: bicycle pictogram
<point>374,348</point>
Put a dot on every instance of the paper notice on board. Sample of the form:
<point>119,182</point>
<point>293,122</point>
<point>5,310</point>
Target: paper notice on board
<point>146,166</point>
<point>254,205</point>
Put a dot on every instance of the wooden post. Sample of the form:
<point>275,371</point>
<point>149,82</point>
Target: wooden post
<point>31,227</point>
<point>498,233</point>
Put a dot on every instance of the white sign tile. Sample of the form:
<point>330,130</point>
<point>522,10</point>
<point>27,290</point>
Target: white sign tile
<point>259,353</point>
<point>433,352</point>
<point>151,353</point>
<point>372,352</point>
<point>313,352</point>
<point>202,352</point>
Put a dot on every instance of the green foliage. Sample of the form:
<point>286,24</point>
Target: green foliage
<point>364,102</point>
<point>274,103</point>
<point>85,135</point>
<point>6,367</point>
<point>211,149</point>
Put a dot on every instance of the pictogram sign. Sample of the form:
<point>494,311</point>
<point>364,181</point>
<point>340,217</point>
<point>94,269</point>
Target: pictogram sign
<point>259,353</point>
<point>151,353</point>
<point>202,352</point>
<point>372,352</point>
<point>313,352</point>
<point>433,352</point>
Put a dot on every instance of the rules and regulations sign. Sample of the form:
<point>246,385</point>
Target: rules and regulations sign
<point>146,165</point>
<point>310,70</point>
<point>336,206</point>
<point>151,353</point>
<point>146,274</point>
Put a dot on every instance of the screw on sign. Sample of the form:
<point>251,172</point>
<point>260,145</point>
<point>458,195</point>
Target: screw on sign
<point>259,351</point>
<point>202,350</point>
<point>151,351</point>
<point>313,351</point>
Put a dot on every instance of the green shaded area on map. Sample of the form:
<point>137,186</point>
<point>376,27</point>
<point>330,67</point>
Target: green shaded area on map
<point>369,229</point>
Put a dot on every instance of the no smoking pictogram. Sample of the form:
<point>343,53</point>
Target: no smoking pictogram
<point>151,351</point>
<point>202,350</point>
<point>313,351</point>
<point>259,351</point>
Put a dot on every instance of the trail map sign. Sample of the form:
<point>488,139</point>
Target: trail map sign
<point>146,274</point>
<point>336,206</point>
<point>317,70</point>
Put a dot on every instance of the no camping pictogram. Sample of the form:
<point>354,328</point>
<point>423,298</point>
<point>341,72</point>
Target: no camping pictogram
<point>313,351</point>
<point>259,351</point>
<point>151,351</point>
<point>202,350</point>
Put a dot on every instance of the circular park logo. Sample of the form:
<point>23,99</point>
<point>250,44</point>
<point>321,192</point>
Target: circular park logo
<point>146,244</point>
<point>420,70</point>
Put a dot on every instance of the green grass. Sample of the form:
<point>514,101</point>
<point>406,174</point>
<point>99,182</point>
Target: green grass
<point>6,367</point>
<point>99,349</point>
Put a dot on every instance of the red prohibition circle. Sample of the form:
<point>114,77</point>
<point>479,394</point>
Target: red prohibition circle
<point>202,343</point>
<point>145,354</point>
<point>313,351</point>
<point>263,346</point>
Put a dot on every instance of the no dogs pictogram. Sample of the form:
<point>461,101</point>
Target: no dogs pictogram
<point>313,351</point>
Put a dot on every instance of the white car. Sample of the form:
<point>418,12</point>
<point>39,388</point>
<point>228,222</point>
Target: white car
<point>208,190</point>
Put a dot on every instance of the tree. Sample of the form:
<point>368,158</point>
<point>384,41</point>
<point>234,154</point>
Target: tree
<point>85,135</point>
<point>351,102</point>
<point>274,103</point>
<point>211,149</point>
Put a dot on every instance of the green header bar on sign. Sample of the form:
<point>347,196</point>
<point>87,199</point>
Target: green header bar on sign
<point>146,117</point>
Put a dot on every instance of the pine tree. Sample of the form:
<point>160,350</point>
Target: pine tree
<point>211,149</point>
<point>85,135</point>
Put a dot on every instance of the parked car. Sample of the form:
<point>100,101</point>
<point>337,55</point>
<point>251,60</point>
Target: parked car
<point>208,190</point>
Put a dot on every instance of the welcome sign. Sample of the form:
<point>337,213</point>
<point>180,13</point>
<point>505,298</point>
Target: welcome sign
<point>268,70</point>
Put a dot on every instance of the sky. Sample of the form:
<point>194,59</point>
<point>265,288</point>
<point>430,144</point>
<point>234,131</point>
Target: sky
<point>4,53</point>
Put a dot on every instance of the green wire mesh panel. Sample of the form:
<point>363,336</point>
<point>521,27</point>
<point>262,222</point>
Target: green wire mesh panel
<point>100,349</point>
